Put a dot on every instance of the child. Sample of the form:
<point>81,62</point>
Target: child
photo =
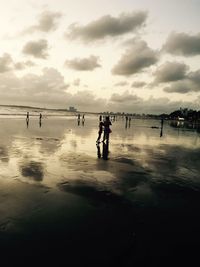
<point>100,131</point>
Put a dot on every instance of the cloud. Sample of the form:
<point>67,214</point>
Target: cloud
<point>76,82</point>
<point>138,84</point>
<point>50,90</point>
<point>23,64</point>
<point>136,58</point>
<point>46,90</point>
<point>123,83</point>
<point>47,22</point>
<point>127,102</point>
<point>5,63</point>
<point>190,84</point>
<point>125,97</point>
<point>181,87</point>
<point>8,64</point>
<point>182,44</point>
<point>83,64</point>
<point>107,26</point>
<point>37,49</point>
<point>194,76</point>
<point>49,87</point>
<point>170,71</point>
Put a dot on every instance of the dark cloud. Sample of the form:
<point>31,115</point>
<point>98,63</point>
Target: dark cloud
<point>138,84</point>
<point>181,87</point>
<point>136,58</point>
<point>47,22</point>
<point>191,83</point>
<point>123,83</point>
<point>194,76</point>
<point>188,85</point>
<point>183,44</point>
<point>37,49</point>
<point>83,64</point>
<point>107,26</point>
<point>170,71</point>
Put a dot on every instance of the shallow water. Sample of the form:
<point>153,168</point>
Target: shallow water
<point>135,201</point>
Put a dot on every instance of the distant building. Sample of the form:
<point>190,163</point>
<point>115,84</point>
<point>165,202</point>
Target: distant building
<point>72,109</point>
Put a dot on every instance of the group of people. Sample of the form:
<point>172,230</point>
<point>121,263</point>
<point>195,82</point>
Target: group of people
<point>27,119</point>
<point>79,119</point>
<point>104,127</point>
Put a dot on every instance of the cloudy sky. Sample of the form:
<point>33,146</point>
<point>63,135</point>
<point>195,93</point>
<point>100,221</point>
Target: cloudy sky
<point>117,55</point>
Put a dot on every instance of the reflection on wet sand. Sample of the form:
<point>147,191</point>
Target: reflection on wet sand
<point>4,154</point>
<point>56,182</point>
<point>32,170</point>
<point>103,149</point>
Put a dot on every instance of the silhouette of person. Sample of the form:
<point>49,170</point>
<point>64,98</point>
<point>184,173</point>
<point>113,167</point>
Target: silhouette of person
<point>27,122</point>
<point>83,119</point>
<point>161,128</point>
<point>98,151</point>
<point>100,118</point>
<point>129,122</point>
<point>161,131</point>
<point>107,129</point>
<point>79,118</point>
<point>126,124</point>
<point>27,119</point>
<point>162,122</point>
<point>101,124</point>
<point>105,149</point>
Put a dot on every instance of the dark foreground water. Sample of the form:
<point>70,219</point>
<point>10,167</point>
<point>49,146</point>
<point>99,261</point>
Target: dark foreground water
<point>65,201</point>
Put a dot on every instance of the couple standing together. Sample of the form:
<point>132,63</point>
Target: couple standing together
<point>104,127</point>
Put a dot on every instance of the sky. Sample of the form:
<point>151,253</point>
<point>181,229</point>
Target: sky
<point>117,55</point>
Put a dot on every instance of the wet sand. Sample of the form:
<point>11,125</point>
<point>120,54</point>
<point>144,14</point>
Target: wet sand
<point>61,201</point>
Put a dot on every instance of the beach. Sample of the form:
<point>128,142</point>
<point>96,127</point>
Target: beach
<point>62,201</point>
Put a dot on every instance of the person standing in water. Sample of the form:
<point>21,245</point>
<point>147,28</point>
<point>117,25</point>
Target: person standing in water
<point>107,129</point>
<point>101,124</point>
<point>40,120</point>
<point>27,119</point>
